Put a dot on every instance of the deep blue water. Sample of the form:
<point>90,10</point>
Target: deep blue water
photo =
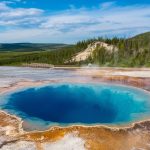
<point>79,103</point>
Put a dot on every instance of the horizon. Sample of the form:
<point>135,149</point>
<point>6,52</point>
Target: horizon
<point>76,41</point>
<point>29,21</point>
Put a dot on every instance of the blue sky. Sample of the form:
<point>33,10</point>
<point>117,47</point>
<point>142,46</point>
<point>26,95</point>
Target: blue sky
<point>65,4</point>
<point>67,21</point>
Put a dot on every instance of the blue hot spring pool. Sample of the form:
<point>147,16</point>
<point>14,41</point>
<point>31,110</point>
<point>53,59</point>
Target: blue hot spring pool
<point>65,104</point>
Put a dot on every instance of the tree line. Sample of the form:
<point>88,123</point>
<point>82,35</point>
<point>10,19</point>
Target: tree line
<point>130,53</point>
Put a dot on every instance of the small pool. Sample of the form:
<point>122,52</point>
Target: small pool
<point>66,104</point>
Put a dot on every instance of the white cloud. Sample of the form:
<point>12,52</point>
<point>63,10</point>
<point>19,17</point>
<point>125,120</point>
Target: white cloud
<point>14,1</point>
<point>12,17</point>
<point>107,4</point>
<point>21,12</point>
<point>89,23</point>
<point>3,7</point>
<point>36,25</point>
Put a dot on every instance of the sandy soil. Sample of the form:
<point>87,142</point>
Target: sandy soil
<point>89,50</point>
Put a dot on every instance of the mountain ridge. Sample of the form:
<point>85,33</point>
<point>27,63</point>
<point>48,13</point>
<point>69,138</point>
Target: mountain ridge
<point>26,47</point>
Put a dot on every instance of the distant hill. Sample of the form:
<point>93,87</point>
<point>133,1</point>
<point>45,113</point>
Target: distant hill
<point>143,40</point>
<point>141,37</point>
<point>29,47</point>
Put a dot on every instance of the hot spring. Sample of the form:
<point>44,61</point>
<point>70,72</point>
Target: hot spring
<point>65,104</point>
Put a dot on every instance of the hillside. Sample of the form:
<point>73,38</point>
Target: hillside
<point>143,36</point>
<point>83,55</point>
<point>114,52</point>
<point>56,57</point>
<point>143,40</point>
<point>130,52</point>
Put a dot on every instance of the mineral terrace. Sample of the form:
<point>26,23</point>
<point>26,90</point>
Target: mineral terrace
<point>135,136</point>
